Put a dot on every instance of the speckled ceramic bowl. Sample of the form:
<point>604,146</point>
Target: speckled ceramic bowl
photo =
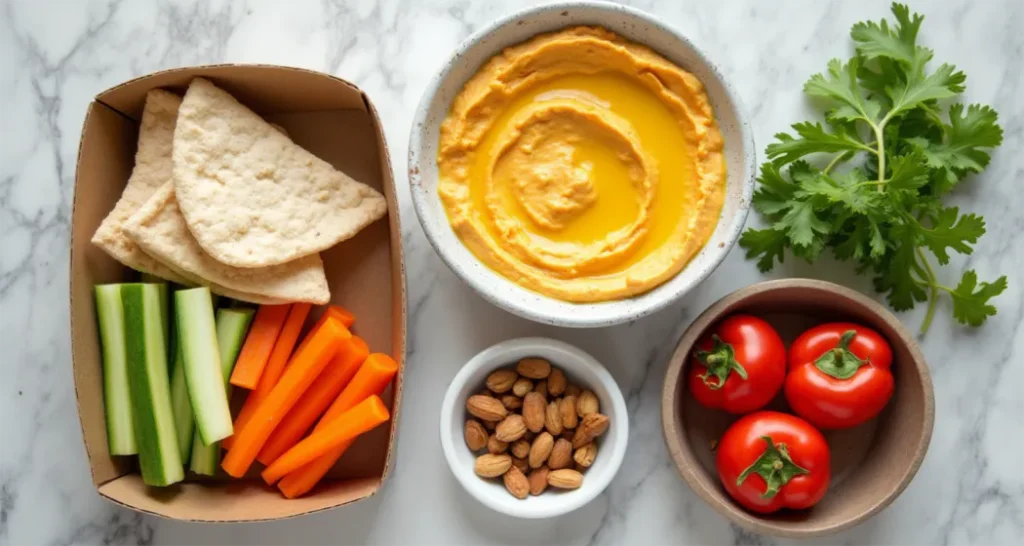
<point>516,28</point>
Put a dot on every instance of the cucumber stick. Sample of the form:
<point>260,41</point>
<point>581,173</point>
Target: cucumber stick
<point>200,353</point>
<point>116,396</point>
<point>184,423</point>
<point>165,307</point>
<point>232,326</point>
<point>159,458</point>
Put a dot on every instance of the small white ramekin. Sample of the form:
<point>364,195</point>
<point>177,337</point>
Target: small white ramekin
<point>519,27</point>
<point>581,369</point>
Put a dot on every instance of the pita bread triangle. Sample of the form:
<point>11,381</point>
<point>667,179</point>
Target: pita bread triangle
<point>251,196</point>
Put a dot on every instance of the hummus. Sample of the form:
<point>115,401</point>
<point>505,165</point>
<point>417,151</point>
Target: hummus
<point>582,166</point>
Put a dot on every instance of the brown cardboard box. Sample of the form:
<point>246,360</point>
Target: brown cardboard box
<point>334,120</point>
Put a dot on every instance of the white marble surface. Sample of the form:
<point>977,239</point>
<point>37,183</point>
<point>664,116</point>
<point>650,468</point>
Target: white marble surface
<point>57,55</point>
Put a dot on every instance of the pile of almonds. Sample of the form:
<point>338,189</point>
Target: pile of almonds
<point>534,425</point>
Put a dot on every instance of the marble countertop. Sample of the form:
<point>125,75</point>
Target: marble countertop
<point>57,55</point>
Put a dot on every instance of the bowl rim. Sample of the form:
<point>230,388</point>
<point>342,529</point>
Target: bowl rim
<point>674,374</point>
<point>579,317</point>
<point>545,346</point>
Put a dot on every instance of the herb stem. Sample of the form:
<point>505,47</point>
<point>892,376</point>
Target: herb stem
<point>835,161</point>
<point>881,152</point>
<point>933,288</point>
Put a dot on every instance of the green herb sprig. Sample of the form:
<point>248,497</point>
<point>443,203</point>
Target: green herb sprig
<point>883,210</point>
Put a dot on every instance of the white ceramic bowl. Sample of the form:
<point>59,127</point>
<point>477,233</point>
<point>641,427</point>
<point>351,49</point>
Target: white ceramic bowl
<point>518,27</point>
<point>581,369</point>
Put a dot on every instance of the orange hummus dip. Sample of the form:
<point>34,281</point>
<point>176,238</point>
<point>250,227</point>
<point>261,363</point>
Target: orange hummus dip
<point>582,166</point>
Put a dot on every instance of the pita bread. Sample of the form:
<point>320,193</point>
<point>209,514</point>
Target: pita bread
<point>251,196</point>
<point>152,169</point>
<point>161,231</point>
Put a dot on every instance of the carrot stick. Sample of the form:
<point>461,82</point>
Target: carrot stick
<point>371,379</point>
<point>258,344</point>
<point>316,400</point>
<point>305,366</point>
<point>274,368</point>
<point>343,315</point>
<point>348,426</point>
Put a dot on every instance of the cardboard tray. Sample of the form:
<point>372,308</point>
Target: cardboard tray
<point>336,121</point>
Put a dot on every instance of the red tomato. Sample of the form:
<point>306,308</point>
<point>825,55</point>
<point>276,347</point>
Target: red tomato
<point>769,460</point>
<point>839,375</point>
<point>739,367</point>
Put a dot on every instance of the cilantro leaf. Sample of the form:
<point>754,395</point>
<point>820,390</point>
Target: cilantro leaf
<point>918,89</point>
<point>863,241</point>
<point>769,244</point>
<point>970,298</point>
<point>840,86</point>
<point>909,173</point>
<point>964,140</point>
<point>802,224</point>
<point>878,40</point>
<point>774,192</point>
<point>846,190</point>
<point>897,279</point>
<point>813,139</point>
<point>952,231</point>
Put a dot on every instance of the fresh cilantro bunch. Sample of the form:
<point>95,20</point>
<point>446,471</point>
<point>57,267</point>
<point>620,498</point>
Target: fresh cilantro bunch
<point>883,210</point>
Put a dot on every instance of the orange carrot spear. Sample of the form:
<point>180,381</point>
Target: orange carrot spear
<point>348,426</point>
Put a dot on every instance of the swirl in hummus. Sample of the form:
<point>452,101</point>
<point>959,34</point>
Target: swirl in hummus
<point>582,166</point>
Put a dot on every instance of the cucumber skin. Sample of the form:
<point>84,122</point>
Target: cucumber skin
<point>184,422</point>
<point>116,392</point>
<point>197,335</point>
<point>232,327</point>
<point>159,458</point>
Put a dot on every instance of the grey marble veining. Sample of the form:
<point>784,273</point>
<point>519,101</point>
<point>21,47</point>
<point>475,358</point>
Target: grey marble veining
<point>57,55</point>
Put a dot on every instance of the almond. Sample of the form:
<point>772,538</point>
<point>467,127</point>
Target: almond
<point>476,435</point>
<point>496,446</point>
<point>521,449</point>
<point>553,419</point>
<point>534,410</point>
<point>490,425</point>
<point>522,386</point>
<point>567,434</point>
<point>565,479</point>
<point>510,428</point>
<point>521,463</point>
<point>511,402</point>
<point>556,382</point>
<point>591,427</point>
<point>534,368</point>
<point>585,455</point>
<point>516,483</point>
<point>572,390</point>
<point>587,403</point>
<point>486,408</point>
<point>501,380</point>
<point>491,465</point>
<point>541,449</point>
<point>486,392</point>
<point>538,480</point>
<point>567,407</point>
<point>530,435</point>
<point>561,454</point>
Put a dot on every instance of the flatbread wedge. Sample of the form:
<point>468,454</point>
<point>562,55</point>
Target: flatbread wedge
<point>251,196</point>
<point>160,229</point>
<point>152,169</point>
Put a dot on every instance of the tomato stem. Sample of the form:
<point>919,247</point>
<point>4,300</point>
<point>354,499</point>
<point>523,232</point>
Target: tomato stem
<point>775,466</point>
<point>719,362</point>
<point>840,362</point>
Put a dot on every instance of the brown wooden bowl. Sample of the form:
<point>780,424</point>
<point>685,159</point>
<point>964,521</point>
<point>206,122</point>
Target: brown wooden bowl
<point>871,463</point>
